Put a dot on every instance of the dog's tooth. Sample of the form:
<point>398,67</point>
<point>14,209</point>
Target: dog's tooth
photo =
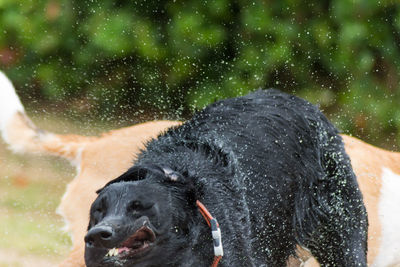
<point>112,252</point>
<point>115,252</point>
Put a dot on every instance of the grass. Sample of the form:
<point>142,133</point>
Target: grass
<point>31,187</point>
<point>30,191</point>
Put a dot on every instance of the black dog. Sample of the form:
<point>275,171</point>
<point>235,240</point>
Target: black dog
<point>270,168</point>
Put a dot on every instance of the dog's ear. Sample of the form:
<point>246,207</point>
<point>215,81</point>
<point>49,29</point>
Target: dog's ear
<point>182,180</point>
<point>135,173</point>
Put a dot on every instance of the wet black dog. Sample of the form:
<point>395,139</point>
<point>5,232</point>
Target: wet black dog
<point>268,166</point>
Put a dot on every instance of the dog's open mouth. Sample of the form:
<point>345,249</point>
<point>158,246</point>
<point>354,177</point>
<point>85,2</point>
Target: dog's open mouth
<point>138,243</point>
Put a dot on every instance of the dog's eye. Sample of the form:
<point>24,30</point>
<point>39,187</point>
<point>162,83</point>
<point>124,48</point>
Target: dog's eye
<point>97,215</point>
<point>100,207</point>
<point>99,210</point>
<point>136,205</point>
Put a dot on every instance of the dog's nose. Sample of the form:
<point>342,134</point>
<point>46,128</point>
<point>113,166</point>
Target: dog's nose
<point>101,235</point>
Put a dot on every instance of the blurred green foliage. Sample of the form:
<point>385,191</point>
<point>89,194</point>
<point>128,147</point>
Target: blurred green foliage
<point>110,57</point>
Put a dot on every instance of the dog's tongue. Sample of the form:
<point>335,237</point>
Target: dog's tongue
<point>140,237</point>
<point>123,249</point>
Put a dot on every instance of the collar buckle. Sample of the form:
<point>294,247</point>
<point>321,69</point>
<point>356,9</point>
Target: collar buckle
<point>217,239</point>
<point>215,231</point>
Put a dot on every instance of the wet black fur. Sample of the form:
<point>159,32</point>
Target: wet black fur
<point>271,168</point>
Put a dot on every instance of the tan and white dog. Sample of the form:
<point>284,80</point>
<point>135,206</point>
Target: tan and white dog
<point>100,159</point>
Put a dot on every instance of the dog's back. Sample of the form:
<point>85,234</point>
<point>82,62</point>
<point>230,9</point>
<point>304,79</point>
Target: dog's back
<point>283,159</point>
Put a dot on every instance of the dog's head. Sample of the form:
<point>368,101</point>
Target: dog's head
<point>139,218</point>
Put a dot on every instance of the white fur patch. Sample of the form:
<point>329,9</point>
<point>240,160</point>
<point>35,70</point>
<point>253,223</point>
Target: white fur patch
<point>389,215</point>
<point>9,103</point>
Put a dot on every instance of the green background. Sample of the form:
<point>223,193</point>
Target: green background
<point>125,60</point>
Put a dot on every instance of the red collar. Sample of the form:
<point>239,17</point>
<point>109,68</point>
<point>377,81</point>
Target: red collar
<point>216,233</point>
